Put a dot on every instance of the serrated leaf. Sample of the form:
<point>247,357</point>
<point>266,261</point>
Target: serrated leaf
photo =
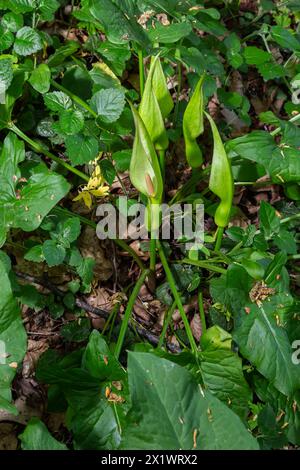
<point>108,104</point>
<point>54,254</point>
<point>81,148</point>
<point>27,41</point>
<point>71,121</point>
<point>57,101</point>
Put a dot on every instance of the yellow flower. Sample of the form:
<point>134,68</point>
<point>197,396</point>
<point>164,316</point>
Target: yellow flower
<point>95,187</point>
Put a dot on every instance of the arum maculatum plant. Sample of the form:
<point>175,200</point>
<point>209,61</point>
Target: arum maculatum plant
<point>147,167</point>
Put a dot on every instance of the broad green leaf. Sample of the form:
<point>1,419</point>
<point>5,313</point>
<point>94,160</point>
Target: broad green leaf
<point>27,41</point>
<point>81,148</point>
<point>99,361</point>
<point>13,92</point>
<point>108,104</point>
<point>67,231</point>
<point>275,267</point>
<point>47,8</point>
<point>269,219</point>
<point>122,160</point>
<point>267,347</point>
<point>222,374</point>
<point>21,6</point>
<point>221,179</point>
<point>63,53</point>
<point>40,78</point>
<point>6,39</point>
<point>285,38</point>
<point>57,101</point>
<point>37,437</point>
<point>12,22</point>
<point>169,34</point>
<point>27,208</point>
<point>255,56</point>
<point>120,26</point>
<point>116,55</point>
<point>193,126</point>
<point>108,170</point>
<point>151,114</point>
<point>6,75</point>
<point>71,121</point>
<point>170,411</point>
<point>12,339</point>
<point>145,171</point>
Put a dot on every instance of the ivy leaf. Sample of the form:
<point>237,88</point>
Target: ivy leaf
<point>37,437</point>
<point>27,41</point>
<point>171,411</point>
<point>108,104</point>
<point>81,148</point>
<point>40,78</point>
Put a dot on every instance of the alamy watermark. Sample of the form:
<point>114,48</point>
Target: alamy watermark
<point>296,354</point>
<point>184,223</point>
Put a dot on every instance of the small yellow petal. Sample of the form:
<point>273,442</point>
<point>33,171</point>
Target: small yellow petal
<point>87,199</point>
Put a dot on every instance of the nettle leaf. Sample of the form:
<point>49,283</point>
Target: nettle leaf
<point>267,347</point>
<point>12,339</point>
<point>193,126</point>
<point>71,121</point>
<point>108,104</point>
<point>54,254</point>
<point>169,34</point>
<point>37,437</point>
<point>169,409</point>
<point>81,148</point>
<point>57,101</point>
<point>27,41</point>
<point>255,56</point>
<point>34,200</point>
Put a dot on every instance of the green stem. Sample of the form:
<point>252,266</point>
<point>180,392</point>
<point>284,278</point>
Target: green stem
<point>128,312</point>
<point>141,71</point>
<point>176,296</point>
<point>121,243</point>
<point>38,148</point>
<point>203,265</point>
<point>220,233</point>
<point>75,98</point>
<point>152,254</point>
<point>201,312</point>
<point>167,321</point>
<point>278,129</point>
<point>162,162</point>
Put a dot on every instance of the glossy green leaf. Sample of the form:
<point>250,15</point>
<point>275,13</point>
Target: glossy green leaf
<point>193,126</point>
<point>71,121</point>
<point>145,172</point>
<point>169,409</point>
<point>169,34</point>
<point>221,179</point>
<point>37,437</point>
<point>267,347</point>
<point>12,339</point>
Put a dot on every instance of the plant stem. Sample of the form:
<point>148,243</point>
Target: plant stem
<point>121,243</point>
<point>162,162</point>
<point>75,98</point>
<point>38,148</point>
<point>201,312</point>
<point>152,254</point>
<point>128,312</point>
<point>278,129</point>
<point>167,321</point>
<point>176,296</point>
<point>141,71</point>
<point>203,265</point>
<point>220,233</point>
